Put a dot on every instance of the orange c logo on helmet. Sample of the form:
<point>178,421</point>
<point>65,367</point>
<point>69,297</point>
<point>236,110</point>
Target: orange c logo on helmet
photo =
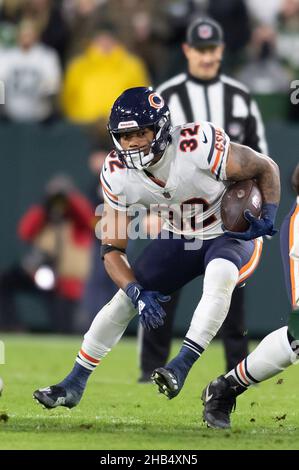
<point>156,101</point>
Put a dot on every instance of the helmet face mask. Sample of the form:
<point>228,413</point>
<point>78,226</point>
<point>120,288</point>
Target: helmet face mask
<point>137,109</point>
<point>133,157</point>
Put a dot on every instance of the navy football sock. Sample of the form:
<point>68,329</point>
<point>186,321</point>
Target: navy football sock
<point>185,359</point>
<point>76,380</point>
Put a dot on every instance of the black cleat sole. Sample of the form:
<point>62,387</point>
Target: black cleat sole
<point>166,382</point>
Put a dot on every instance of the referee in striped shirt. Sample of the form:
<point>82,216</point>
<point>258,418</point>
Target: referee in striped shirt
<point>204,94</point>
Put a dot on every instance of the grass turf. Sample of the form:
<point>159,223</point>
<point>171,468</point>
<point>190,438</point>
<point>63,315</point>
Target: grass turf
<point>118,413</point>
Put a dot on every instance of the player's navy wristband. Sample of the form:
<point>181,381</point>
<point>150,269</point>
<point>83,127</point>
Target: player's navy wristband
<point>133,290</point>
<point>269,211</point>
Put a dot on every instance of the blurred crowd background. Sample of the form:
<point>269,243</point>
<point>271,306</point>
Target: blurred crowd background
<point>63,63</point>
<point>82,47</point>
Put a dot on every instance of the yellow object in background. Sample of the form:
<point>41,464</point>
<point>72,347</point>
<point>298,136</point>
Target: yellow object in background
<point>94,80</point>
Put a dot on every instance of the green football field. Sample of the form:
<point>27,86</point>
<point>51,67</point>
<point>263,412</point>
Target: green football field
<point>118,413</point>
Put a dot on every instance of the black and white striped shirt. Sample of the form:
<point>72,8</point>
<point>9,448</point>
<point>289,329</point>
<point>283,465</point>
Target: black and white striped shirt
<point>224,101</point>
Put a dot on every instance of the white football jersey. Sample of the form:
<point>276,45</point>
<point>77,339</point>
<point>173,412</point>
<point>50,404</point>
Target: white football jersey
<point>195,177</point>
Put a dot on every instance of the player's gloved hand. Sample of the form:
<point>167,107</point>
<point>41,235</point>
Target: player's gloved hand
<point>258,227</point>
<point>150,311</point>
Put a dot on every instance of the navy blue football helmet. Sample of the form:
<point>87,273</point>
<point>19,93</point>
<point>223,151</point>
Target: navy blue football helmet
<point>139,108</point>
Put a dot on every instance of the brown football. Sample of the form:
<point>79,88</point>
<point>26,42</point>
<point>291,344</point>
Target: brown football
<point>239,197</point>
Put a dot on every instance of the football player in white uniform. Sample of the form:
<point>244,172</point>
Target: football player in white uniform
<point>152,165</point>
<point>276,351</point>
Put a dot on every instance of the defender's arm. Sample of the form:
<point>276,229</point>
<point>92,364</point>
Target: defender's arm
<point>295,179</point>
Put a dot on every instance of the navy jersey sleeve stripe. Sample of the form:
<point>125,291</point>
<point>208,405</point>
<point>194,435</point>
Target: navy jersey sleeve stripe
<point>116,203</point>
<point>105,181</point>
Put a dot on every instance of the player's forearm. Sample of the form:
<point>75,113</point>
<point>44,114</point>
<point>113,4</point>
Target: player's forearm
<point>245,163</point>
<point>269,182</point>
<point>268,179</point>
<point>118,268</point>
